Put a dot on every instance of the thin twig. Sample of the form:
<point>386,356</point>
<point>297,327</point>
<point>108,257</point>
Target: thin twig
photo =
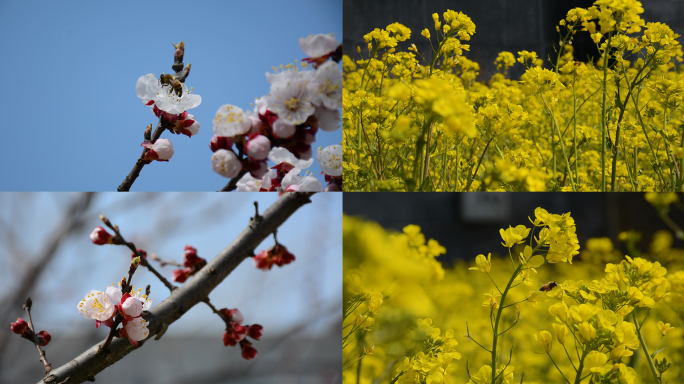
<point>163,263</point>
<point>43,359</point>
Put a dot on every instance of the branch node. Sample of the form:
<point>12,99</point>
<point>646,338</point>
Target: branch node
<point>254,221</point>
<point>162,331</point>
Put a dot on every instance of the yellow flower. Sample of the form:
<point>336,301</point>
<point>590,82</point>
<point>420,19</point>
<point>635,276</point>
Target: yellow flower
<point>532,297</point>
<point>596,362</point>
<point>545,340</point>
<point>664,328</point>
<point>426,33</point>
<point>561,332</point>
<point>587,331</point>
<point>375,302</point>
<point>484,264</point>
<point>512,236</point>
<point>369,349</point>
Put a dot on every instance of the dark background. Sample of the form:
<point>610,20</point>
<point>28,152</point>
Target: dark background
<point>468,224</point>
<point>501,25</point>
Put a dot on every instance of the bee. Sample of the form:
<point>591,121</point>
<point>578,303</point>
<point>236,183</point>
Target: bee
<point>549,286</point>
<point>337,55</point>
<point>171,80</point>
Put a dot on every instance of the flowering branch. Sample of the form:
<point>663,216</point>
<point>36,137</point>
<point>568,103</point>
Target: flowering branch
<point>182,299</point>
<point>174,122</point>
<point>34,338</point>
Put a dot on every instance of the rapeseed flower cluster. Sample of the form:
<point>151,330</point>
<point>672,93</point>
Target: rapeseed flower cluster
<point>422,122</point>
<point>600,316</point>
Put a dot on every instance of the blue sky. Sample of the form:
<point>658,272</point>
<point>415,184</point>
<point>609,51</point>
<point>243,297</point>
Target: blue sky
<point>72,120</point>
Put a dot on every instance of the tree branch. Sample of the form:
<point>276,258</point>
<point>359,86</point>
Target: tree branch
<point>182,299</point>
<point>140,163</point>
<point>232,184</point>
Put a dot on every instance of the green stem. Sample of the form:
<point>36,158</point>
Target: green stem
<point>645,348</point>
<point>560,140</point>
<point>561,372</point>
<point>498,317</point>
<point>471,178</point>
<point>604,128</point>
<point>578,377</point>
<point>354,362</point>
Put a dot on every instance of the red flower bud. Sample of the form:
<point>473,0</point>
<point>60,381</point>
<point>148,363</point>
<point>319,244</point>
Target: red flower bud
<point>180,275</point>
<point>43,338</point>
<point>248,352</point>
<point>229,340</point>
<point>100,236</point>
<point>233,315</point>
<point>19,327</point>
<point>220,142</point>
<point>255,331</point>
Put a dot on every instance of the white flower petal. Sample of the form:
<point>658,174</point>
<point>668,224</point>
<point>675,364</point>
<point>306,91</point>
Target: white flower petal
<point>136,329</point>
<point>141,87</point>
<point>231,121</point>
<point>318,45</point>
<point>326,87</point>
<point>330,159</point>
<point>282,155</point>
<point>96,305</point>
<point>328,119</point>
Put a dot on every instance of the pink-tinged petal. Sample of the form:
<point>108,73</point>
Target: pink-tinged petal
<point>147,145</point>
<point>226,163</point>
<point>97,323</point>
<point>135,343</point>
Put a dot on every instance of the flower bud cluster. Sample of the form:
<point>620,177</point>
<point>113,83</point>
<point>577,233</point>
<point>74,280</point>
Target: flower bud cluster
<point>20,327</point>
<point>236,332</point>
<point>278,255</point>
<point>192,263</point>
<point>298,105</point>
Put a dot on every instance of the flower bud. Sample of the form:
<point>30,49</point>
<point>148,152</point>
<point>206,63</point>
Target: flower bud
<point>180,275</point>
<point>132,307</point>
<point>239,331</point>
<point>332,187</point>
<point>100,236</point>
<point>19,327</point>
<point>161,150</point>
<point>283,130</point>
<point>255,331</point>
<point>43,338</point>
<point>233,315</point>
<point>258,147</point>
<point>248,352</point>
<point>135,262</point>
<point>226,163</point>
<point>220,142</point>
<point>257,125</point>
<point>256,168</point>
<point>229,340</point>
